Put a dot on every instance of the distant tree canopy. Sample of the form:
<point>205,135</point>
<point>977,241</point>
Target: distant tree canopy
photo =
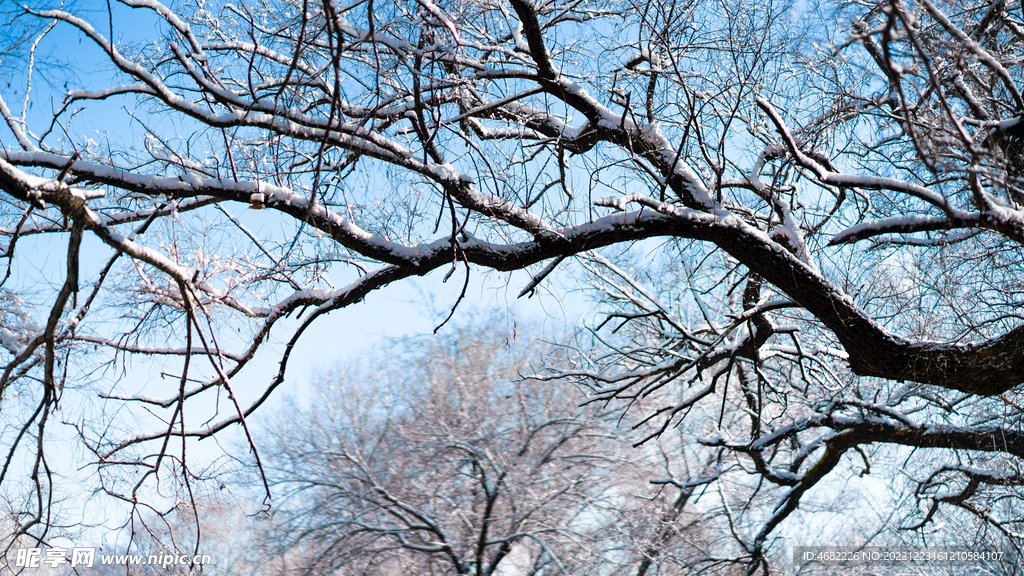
<point>803,223</point>
<point>435,457</point>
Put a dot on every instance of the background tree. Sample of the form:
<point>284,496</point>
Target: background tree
<point>436,457</point>
<point>834,191</point>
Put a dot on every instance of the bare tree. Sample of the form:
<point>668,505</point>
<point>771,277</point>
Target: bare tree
<point>835,191</point>
<point>436,457</point>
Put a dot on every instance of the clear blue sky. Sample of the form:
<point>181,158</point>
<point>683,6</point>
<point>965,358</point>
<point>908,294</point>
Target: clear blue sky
<point>409,308</point>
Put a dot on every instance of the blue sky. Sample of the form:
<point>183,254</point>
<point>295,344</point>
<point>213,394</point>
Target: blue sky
<point>397,310</point>
<point>408,308</point>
